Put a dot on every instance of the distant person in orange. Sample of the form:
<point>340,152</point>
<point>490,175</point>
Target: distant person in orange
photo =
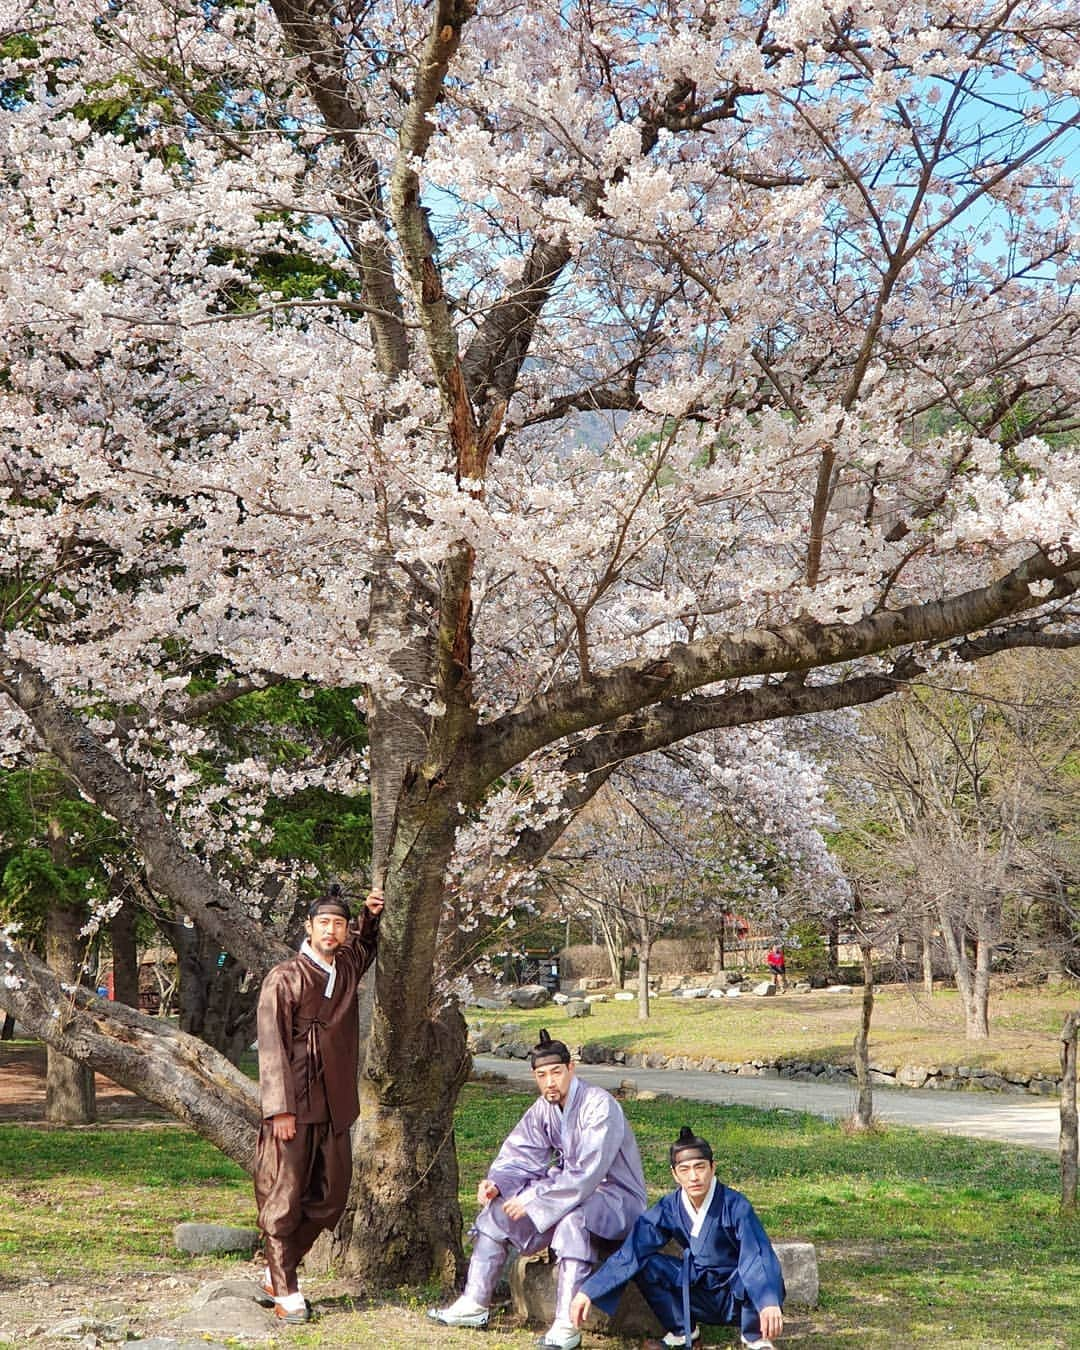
<point>774,959</point>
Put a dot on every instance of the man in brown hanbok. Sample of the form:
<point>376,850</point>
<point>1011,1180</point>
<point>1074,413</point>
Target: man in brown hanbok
<point>309,1038</point>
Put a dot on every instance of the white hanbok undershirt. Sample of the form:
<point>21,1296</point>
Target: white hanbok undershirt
<point>307,950</point>
<point>697,1216</point>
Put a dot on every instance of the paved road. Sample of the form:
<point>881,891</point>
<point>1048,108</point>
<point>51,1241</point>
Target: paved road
<point>980,1115</point>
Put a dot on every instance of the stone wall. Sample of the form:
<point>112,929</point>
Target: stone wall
<point>505,1043</point>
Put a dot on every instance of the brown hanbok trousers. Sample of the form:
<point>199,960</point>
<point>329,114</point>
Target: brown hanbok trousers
<point>301,1186</point>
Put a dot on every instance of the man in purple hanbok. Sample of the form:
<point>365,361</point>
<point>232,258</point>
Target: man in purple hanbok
<point>568,1177</point>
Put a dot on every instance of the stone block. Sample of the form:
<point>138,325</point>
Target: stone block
<point>912,1075</point>
<point>624,996</point>
<point>202,1239</point>
<point>532,1290</point>
<point>577,1007</point>
<point>766,989</point>
<point>530,996</point>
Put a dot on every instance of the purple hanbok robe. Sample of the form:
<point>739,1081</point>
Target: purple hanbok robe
<point>583,1158</point>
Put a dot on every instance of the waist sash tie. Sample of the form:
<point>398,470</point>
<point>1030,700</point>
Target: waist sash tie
<point>688,1326</point>
<point>314,1065</point>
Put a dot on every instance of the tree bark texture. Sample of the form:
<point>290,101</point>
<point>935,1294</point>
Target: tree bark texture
<point>1069,1145</point>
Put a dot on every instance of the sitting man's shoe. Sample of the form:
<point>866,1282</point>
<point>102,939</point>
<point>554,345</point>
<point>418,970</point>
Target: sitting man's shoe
<point>560,1336</point>
<point>673,1340</point>
<point>463,1312</point>
<point>760,1343</point>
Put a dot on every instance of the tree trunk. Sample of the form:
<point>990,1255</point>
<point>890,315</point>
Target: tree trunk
<point>927,943</point>
<point>1069,1146</point>
<point>177,1072</point>
<point>7,1031</point>
<point>644,956</point>
<point>403,1224</point>
<point>832,933</point>
<point>956,950</point>
<point>718,948</point>
<point>125,956</point>
<point>864,1113</point>
<point>69,1085</point>
<point>978,1025</point>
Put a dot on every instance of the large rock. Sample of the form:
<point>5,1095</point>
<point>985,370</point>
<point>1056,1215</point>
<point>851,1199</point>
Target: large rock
<point>624,996</point>
<point>236,1317</point>
<point>89,1329</point>
<point>201,1239</point>
<point>577,1007</point>
<point>765,989</point>
<point>532,1289</point>
<point>530,996</point>
<point>234,1288</point>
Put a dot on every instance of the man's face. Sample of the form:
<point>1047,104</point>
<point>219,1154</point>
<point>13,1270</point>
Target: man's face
<point>553,1082</point>
<point>326,933</point>
<point>695,1176</point>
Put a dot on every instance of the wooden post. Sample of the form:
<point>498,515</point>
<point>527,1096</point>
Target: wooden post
<point>1068,1146</point>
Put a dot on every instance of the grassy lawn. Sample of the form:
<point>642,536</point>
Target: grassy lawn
<point>907,1027</point>
<point>921,1240</point>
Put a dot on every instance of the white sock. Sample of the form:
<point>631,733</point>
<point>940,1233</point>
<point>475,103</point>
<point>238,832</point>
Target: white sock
<point>464,1306</point>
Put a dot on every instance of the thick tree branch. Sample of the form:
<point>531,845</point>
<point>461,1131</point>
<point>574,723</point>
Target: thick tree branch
<point>308,33</point>
<point>170,866</point>
<point>606,697</point>
<point>177,1072</point>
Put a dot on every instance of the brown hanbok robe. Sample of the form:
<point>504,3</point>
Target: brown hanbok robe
<point>308,1065</point>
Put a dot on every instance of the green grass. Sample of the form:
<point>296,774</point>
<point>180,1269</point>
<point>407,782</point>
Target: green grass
<point>921,1239</point>
<point>907,1027</point>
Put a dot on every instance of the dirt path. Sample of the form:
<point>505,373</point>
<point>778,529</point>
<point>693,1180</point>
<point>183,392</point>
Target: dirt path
<point>22,1089</point>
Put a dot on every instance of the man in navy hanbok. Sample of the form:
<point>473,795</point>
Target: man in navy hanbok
<point>568,1177</point>
<point>728,1272</point>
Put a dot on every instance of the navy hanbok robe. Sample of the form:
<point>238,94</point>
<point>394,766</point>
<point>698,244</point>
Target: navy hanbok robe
<point>728,1271</point>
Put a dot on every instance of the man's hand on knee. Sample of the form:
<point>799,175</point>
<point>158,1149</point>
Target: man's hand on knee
<point>284,1126</point>
<point>514,1209</point>
<point>772,1322</point>
<point>579,1309</point>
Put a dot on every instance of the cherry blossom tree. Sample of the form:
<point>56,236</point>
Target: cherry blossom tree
<point>671,838</point>
<point>657,371</point>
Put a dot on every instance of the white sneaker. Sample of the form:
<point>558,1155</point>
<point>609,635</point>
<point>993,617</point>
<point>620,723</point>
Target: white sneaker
<point>560,1336</point>
<point>463,1312</point>
<point>676,1339</point>
<point>762,1343</point>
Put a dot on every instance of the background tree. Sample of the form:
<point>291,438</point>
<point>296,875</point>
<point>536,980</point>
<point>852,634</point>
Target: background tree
<point>629,409</point>
<point>972,831</point>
